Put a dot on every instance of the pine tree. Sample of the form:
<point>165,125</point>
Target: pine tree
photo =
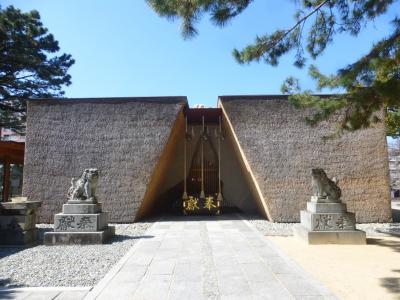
<point>372,83</point>
<point>29,66</point>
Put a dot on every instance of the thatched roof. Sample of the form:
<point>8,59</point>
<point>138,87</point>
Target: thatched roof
<point>123,139</point>
<point>109,100</point>
<point>133,142</point>
<point>278,150</point>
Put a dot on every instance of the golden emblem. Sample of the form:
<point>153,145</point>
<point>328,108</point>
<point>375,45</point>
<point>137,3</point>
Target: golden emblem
<point>209,203</point>
<point>191,203</point>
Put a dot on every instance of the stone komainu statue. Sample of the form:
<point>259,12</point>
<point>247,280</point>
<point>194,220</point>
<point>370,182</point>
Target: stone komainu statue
<point>84,188</point>
<point>325,188</point>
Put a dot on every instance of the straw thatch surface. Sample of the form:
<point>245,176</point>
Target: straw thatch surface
<point>123,138</point>
<point>281,150</point>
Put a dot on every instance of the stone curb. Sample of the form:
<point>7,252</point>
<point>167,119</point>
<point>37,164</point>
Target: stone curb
<point>327,294</point>
<point>102,284</point>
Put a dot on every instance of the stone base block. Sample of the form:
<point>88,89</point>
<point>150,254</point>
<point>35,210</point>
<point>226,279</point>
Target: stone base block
<point>343,221</point>
<point>355,237</point>
<point>82,208</point>
<point>316,207</point>
<point>81,202</point>
<point>19,208</point>
<point>80,222</point>
<point>10,237</point>
<point>17,222</point>
<point>78,238</point>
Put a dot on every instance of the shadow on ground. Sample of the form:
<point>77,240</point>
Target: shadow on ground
<point>189,218</point>
<point>120,238</point>
<point>10,294</point>
<point>392,284</point>
<point>393,244</point>
<point>7,283</point>
<point>10,250</point>
<point>7,250</point>
<point>396,213</point>
<point>41,232</point>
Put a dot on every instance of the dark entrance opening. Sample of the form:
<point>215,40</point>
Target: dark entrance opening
<point>202,190</point>
<point>204,175</point>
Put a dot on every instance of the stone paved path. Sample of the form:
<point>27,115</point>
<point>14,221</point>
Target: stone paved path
<point>206,258</point>
<point>195,258</point>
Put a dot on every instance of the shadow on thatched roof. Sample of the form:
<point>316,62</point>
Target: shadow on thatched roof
<point>195,115</point>
<point>111,100</point>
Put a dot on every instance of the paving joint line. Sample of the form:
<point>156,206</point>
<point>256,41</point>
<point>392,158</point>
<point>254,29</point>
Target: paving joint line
<point>265,263</point>
<point>324,291</point>
<point>212,271</point>
<point>104,282</point>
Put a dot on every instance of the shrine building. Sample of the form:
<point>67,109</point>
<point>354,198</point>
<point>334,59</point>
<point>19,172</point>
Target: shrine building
<point>156,155</point>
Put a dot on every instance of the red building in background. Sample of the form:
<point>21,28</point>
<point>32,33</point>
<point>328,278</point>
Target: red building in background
<point>12,148</point>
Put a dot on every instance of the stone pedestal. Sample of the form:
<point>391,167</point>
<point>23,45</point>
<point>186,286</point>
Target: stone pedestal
<point>328,223</point>
<point>80,223</point>
<point>17,222</point>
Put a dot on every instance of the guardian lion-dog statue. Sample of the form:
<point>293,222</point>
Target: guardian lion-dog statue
<point>84,188</point>
<point>325,189</point>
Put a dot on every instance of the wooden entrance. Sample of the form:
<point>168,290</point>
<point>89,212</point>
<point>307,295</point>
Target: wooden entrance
<point>210,172</point>
<point>202,191</point>
<point>11,162</point>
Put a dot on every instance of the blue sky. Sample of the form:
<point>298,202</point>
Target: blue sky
<point>122,48</point>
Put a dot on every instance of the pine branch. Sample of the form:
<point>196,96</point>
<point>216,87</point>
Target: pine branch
<point>299,22</point>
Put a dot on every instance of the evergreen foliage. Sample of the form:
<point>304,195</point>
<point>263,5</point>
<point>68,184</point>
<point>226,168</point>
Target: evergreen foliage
<point>29,66</point>
<point>371,84</point>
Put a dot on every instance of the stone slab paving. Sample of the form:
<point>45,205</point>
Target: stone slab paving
<point>221,257</point>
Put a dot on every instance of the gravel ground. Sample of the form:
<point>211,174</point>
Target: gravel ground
<point>66,265</point>
<point>285,229</point>
<point>86,265</point>
<point>380,229</point>
<point>269,228</point>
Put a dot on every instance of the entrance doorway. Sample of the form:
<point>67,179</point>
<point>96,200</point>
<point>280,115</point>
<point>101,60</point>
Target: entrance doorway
<point>202,186</point>
<point>201,173</point>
